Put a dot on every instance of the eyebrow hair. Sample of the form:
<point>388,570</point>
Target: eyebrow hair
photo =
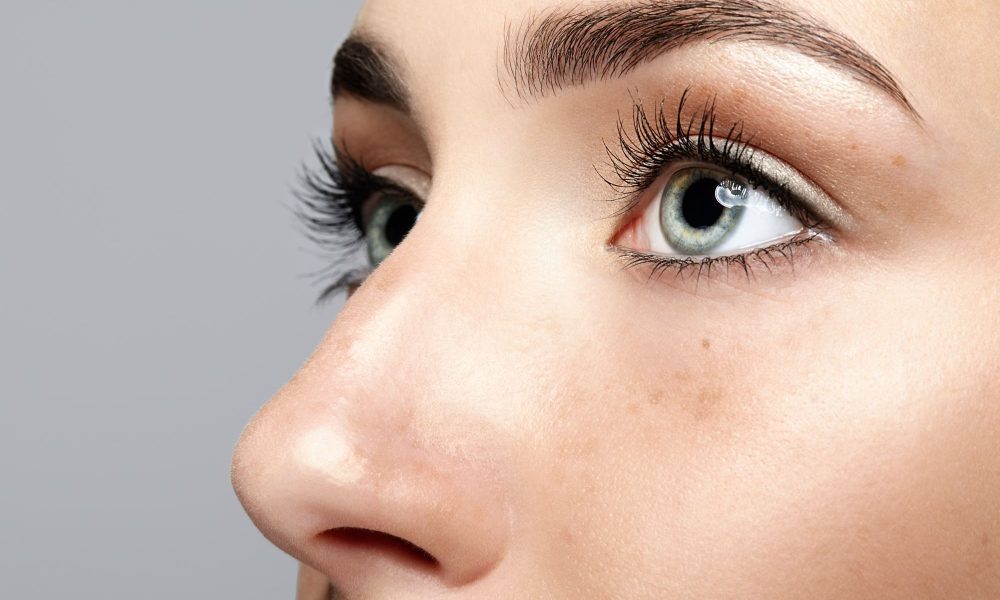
<point>569,47</point>
<point>363,69</point>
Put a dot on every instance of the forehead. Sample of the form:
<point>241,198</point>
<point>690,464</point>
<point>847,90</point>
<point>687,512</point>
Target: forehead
<point>436,39</point>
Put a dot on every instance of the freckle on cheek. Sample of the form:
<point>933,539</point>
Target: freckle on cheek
<point>898,161</point>
<point>704,405</point>
<point>706,344</point>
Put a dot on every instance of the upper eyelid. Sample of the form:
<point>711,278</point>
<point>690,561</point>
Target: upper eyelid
<point>402,176</point>
<point>354,175</point>
<point>801,188</point>
<point>698,125</point>
<point>352,169</point>
<point>778,174</point>
<point>648,144</point>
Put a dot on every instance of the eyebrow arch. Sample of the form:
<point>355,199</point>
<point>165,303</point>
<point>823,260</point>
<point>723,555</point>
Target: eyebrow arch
<point>572,46</point>
<point>363,69</point>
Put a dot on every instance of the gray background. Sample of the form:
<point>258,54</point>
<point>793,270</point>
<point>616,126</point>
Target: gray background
<point>151,289</point>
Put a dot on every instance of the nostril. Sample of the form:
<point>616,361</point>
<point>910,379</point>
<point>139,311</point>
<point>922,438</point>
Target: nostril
<point>384,544</point>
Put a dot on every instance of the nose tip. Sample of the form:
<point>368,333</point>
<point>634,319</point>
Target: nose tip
<point>369,499</point>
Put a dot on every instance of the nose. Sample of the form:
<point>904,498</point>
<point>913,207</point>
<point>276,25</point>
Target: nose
<point>368,469</point>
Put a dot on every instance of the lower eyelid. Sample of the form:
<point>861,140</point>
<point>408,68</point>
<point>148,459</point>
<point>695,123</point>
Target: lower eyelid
<point>747,267</point>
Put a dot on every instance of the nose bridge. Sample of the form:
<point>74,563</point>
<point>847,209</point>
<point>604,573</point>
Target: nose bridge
<point>368,454</point>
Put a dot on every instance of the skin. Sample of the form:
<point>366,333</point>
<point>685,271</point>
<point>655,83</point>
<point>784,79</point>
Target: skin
<point>544,423</point>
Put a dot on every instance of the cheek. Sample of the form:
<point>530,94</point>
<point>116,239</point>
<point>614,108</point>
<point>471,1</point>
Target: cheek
<point>825,453</point>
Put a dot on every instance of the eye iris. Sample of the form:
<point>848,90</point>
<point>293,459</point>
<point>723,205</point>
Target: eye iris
<point>391,220</point>
<point>691,218</point>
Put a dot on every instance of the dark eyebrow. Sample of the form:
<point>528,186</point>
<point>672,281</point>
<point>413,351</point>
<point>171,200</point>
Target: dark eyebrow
<point>362,68</point>
<point>571,46</point>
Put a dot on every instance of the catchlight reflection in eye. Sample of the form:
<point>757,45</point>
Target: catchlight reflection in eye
<point>704,211</point>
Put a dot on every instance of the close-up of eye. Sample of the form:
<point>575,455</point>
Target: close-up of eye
<point>703,200</point>
<point>344,205</point>
<point>701,211</point>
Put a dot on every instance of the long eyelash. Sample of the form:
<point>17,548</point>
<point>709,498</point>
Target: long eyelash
<point>650,143</point>
<point>330,202</point>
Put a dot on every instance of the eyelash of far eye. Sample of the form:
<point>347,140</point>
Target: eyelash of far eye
<point>331,197</point>
<point>649,144</point>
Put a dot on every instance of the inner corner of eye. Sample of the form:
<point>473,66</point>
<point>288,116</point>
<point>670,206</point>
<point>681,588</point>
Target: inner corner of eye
<point>633,235</point>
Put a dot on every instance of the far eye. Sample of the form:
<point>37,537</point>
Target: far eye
<point>391,218</point>
<point>705,211</point>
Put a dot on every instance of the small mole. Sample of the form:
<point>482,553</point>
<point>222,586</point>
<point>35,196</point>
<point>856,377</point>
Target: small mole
<point>854,146</point>
<point>706,344</point>
<point>985,540</point>
<point>898,160</point>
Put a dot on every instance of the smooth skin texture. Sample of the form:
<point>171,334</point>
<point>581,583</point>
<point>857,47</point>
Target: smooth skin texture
<point>543,423</point>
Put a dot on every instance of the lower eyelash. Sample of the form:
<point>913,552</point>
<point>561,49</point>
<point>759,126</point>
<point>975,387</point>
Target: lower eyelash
<point>769,257</point>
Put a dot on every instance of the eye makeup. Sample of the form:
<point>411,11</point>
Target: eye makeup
<point>357,214</point>
<point>652,144</point>
<point>347,209</point>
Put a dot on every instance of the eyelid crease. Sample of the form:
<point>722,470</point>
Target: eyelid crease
<point>411,178</point>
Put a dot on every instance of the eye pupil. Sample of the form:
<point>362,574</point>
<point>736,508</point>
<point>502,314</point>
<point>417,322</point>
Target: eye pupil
<point>399,223</point>
<point>699,207</point>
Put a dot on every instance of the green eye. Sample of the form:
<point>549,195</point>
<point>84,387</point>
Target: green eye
<point>691,218</point>
<point>391,219</point>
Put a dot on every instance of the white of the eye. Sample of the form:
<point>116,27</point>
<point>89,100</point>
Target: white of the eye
<point>763,221</point>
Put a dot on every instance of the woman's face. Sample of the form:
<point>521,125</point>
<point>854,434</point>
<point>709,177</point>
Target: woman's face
<point>702,302</point>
